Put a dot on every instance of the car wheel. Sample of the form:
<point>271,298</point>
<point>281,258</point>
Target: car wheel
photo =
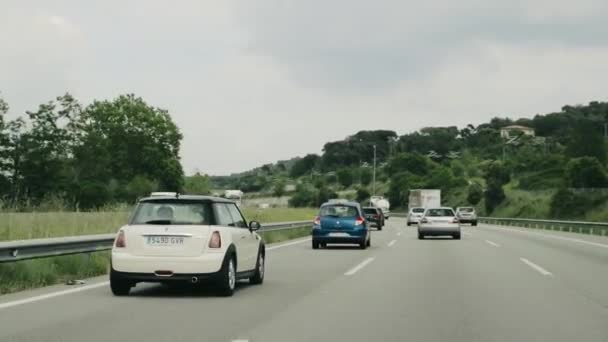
<point>323,245</point>
<point>369,242</point>
<point>227,279</point>
<point>409,224</point>
<point>120,287</point>
<point>315,244</point>
<point>363,244</point>
<point>420,236</point>
<point>258,276</point>
<point>457,236</point>
<point>474,224</point>
<point>379,226</point>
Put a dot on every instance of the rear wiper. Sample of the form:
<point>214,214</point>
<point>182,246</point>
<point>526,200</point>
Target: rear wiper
<point>158,222</point>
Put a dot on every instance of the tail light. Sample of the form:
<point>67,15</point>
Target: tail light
<point>216,240</point>
<point>121,241</point>
<point>316,221</point>
<point>359,221</point>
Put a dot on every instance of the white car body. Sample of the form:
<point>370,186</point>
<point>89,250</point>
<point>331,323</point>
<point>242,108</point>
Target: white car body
<point>382,203</point>
<point>440,221</point>
<point>159,252</point>
<point>415,215</point>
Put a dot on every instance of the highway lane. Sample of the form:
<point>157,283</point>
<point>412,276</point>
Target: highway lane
<point>400,289</point>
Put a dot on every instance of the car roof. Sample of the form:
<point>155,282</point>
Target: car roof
<point>187,198</point>
<point>353,204</point>
<point>433,208</point>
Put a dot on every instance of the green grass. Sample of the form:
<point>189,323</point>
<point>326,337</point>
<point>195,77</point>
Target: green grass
<point>28,274</point>
<point>21,226</point>
<point>524,204</point>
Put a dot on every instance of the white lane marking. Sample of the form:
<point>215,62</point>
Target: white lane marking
<point>102,284</point>
<point>288,244</point>
<point>467,233</point>
<point>492,243</point>
<point>52,295</point>
<point>359,267</point>
<point>390,244</point>
<point>399,234</point>
<point>536,267</point>
<point>596,244</point>
<point>240,340</point>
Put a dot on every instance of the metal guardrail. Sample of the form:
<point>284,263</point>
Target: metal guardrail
<point>11,251</point>
<point>581,227</point>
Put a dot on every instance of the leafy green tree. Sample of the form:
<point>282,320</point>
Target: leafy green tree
<point>585,172</point>
<point>278,189</point>
<point>304,196</point>
<point>408,162</point>
<point>496,175</point>
<point>567,204</point>
<point>586,140</point>
<point>140,186</point>
<point>474,194</point>
<point>345,177</point>
<point>305,165</point>
<point>366,175</point>
<point>197,184</point>
<point>362,195</point>
<point>325,194</point>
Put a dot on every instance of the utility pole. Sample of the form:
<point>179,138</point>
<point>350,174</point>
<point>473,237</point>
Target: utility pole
<point>374,181</point>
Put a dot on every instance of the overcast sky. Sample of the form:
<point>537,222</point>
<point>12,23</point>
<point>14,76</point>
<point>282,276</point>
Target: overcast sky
<point>254,81</point>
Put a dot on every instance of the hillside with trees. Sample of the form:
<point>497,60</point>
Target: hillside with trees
<point>551,165</point>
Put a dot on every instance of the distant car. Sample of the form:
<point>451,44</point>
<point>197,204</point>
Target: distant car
<point>414,215</point>
<point>439,222</point>
<point>172,239</point>
<point>467,215</point>
<point>374,216</point>
<point>383,204</point>
<point>341,223</point>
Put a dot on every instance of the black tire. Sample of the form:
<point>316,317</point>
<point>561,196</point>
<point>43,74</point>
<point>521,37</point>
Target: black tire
<point>363,244</point>
<point>323,245</point>
<point>315,244</point>
<point>369,242</point>
<point>456,236</point>
<point>120,287</point>
<point>379,226</point>
<point>409,224</point>
<point>420,236</point>
<point>226,282</point>
<point>260,269</point>
<point>474,224</point>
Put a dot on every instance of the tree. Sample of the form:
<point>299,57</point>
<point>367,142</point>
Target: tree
<point>278,188</point>
<point>366,175</point>
<point>197,184</point>
<point>304,196</point>
<point>586,140</point>
<point>496,175</point>
<point>474,194</point>
<point>585,172</point>
<point>142,140</point>
<point>362,195</point>
<point>345,177</point>
<point>410,162</point>
<point>567,204</point>
<point>305,165</point>
<point>325,194</point>
<point>140,186</point>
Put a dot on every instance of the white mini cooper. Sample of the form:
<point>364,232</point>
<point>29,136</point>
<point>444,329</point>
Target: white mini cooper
<point>173,238</point>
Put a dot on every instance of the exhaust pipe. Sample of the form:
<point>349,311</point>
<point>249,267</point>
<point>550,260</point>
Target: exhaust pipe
<point>194,280</point>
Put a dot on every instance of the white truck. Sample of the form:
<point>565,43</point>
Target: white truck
<point>382,203</point>
<point>424,198</point>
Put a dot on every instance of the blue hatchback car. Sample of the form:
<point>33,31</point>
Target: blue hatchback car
<point>341,222</point>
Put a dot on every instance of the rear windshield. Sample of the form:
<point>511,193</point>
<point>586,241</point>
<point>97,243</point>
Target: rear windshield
<point>370,210</point>
<point>339,211</point>
<point>173,212</point>
<point>466,210</point>
<point>418,210</point>
<point>439,212</point>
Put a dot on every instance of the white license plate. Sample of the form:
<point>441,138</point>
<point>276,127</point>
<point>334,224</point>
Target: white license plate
<point>339,234</point>
<point>164,240</point>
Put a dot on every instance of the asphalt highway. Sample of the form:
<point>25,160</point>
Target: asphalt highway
<point>496,284</point>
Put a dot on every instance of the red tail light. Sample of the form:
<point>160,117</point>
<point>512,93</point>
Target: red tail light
<point>121,241</point>
<point>316,221</point>
<point>216,240</point>
<point>359,221</point>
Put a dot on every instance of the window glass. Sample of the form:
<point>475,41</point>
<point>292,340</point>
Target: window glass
<point>238,219</point>
<point>439,212</point>
<point>223,215</point>
<point>338,211</point>
<point>173,212</point>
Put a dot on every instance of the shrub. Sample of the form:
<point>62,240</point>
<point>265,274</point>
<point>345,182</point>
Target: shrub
<point>585,172</point>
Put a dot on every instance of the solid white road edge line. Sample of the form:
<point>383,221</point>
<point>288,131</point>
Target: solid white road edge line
<point>596,244</point>
<point>536,267</point>
<point>390,244</point>
<point>52,295</point>
<point>359,267</point>
<point>102,284</point>
<point>492,243</point>
<point>288,244</point>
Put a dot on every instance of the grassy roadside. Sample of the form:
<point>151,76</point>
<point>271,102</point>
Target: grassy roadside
<point>38,225</point>
<point>28,274</point>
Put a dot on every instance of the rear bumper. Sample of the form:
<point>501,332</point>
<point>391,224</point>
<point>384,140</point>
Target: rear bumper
<point>355,236</point>
<point>210,262</point>
<point>153,278</point>
<point>468,220</point>
<point>347,240</point>
<point>437,230</point>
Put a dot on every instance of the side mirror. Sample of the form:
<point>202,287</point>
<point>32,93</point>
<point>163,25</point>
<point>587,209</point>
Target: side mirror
<point>254,225</point>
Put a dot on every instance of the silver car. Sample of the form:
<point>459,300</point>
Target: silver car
<point>467,215</point>
<point>414,216</point>
<point>439,222</point>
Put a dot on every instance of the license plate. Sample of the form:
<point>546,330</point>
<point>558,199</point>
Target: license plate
<point>339,234</point>
<point>164,240</point>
